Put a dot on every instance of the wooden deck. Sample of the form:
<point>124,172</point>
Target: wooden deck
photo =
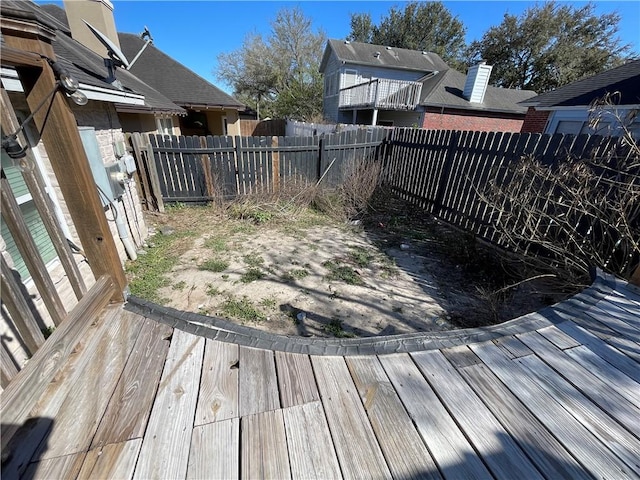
<point>140,399</point>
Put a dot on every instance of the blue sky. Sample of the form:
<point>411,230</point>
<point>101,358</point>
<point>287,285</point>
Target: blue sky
<point>195,32</point>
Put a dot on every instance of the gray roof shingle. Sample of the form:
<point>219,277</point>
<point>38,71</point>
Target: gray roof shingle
<point>445,90</point>
<point>87,66</point>
<point>177,82</point>
<point>624,79</point>
<point>398,58</point>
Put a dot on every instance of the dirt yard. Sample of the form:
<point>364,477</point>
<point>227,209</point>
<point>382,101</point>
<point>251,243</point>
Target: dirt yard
<point>392,272</point>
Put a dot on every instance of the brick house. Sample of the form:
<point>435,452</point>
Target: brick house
<point>378,85</point>
<point>567,109</point>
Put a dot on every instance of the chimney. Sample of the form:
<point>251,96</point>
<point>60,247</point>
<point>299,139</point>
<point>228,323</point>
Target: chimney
<point>99,13</point>
<point>476,83</point>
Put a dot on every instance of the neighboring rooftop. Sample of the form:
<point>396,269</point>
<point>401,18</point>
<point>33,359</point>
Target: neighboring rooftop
<point>624,79</point>
<point>445,90</point>
<point>177,82</point>
<point>88,67</point>
<point>380,56</point>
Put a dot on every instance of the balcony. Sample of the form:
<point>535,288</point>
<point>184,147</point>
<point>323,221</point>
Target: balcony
<point>382,93</point>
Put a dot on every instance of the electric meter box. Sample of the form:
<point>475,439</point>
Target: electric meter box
<point>105,176</point>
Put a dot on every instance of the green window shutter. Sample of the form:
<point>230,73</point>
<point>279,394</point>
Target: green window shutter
<point>31,218</point>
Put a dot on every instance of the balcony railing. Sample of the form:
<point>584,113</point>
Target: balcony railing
<point>382,93</point>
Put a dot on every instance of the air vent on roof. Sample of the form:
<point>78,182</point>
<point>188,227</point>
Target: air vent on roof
<point>377,54</point>
<point>388,48</point>
<point>347,42</point>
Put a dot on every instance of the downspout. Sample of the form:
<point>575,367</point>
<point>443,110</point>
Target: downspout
<point>123,231</point>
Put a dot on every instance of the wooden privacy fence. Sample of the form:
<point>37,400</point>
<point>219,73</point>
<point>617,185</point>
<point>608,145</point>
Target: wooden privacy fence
<point>200,169</point>
<point>449,174</point>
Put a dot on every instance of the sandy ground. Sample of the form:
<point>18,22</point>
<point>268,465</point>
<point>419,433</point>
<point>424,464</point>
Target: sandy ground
<point>315,277</point>
<point>297,294</point>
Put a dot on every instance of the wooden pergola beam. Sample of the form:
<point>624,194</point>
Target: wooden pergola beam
<point>65,150</point>
<point>12,57</point>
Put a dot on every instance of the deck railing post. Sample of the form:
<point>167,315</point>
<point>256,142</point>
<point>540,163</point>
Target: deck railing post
<point>64,147</point>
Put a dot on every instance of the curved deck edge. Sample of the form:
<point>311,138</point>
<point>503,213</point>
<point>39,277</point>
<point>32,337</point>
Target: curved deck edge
<point>219,329</point>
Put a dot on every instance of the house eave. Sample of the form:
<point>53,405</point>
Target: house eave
<point>11,83</point>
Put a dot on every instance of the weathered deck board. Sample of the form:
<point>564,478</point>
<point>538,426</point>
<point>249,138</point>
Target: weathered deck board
<point>562,397</point>
<point>264,446</point>
<point>452,452</point>
<point>584,381</point>
<point>606,373</point>
<point>67,466</point>
<point>593,455</point>
<point>617,319</point>
<point>499,451</point>
<point>165,447</point>
<point>218,399</point>
<point>615,357</point>
<point>80,414</point>
<point>215,450</point>
<point>295,379</point>
<point>25,390</point>
<point>356,446</point>
<point>116,460</point>
<point>130,406</point>
<point>258,382</point>
<point>406,454</point>
<point>513,347</point>
<point>559,338</point>
<point>311,452</point>
<point>548,454</point>
<point>603,427</point>
<point>42,415</point>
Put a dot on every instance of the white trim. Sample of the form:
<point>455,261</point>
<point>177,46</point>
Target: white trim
<point>583,107</point>
<point>12,83</point>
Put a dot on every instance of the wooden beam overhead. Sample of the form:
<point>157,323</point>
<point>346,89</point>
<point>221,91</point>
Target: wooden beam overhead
<point>11,57</point>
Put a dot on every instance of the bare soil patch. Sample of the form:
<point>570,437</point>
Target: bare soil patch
<point>397,270</point>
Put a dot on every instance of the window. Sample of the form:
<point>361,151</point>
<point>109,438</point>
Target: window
<point>164,125</point>
<point>349,78</point>
<point>569,126</point>
<point>31,217</point>
<point>225,126</point>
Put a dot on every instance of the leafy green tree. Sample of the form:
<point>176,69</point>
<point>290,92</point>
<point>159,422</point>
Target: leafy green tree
<point>550,45</point>
<point>425,26</point>
<point>278,75</point>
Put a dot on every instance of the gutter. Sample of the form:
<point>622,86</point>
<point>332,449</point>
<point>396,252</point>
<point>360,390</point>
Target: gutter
<point>11,83</point>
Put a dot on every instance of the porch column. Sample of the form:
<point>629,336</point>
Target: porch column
<point>374,120</point>
<point>66,153</point>
<point>354,117</point>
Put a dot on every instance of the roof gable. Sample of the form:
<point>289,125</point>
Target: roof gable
<point>358,53</point>
<point>177,82</point>
<point>624,79</point>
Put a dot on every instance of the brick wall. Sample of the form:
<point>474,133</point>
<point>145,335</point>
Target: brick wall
<point>465,120</point>
<point>535,121</point>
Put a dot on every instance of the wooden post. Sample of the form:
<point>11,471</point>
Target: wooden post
<point>275,164</point>
<point>35,183</point>
<point>206,167</point>
<point>156,190</point>
<point>65,150</point>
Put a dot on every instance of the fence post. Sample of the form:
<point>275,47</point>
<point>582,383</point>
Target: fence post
<point>321,155</point>
<point>156,190</point>
<point>444,173</point>
<point>206,167</point>
<point>275,164</point>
